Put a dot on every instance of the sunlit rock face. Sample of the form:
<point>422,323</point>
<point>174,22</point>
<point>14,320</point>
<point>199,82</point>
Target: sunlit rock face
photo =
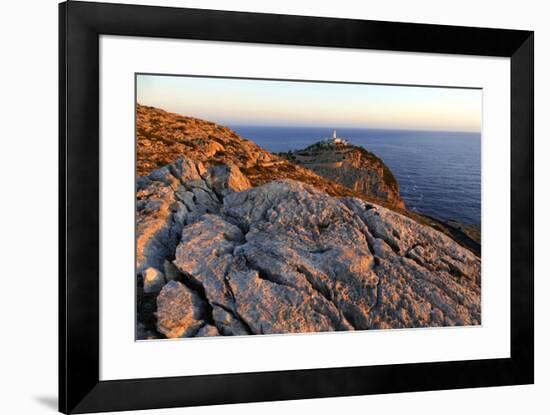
<point>285,257</point>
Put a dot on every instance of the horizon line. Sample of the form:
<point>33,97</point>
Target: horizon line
<point>290,125</point>
<point>340,127</point>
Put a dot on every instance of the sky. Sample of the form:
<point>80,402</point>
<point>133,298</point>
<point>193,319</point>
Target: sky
<point>233,102</point>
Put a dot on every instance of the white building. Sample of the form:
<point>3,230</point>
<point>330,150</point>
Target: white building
<point>335,139</point>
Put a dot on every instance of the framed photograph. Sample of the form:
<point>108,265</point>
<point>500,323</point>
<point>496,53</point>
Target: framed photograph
<point>259,207</point>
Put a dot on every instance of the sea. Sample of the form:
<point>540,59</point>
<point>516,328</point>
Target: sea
<point>439,173</point>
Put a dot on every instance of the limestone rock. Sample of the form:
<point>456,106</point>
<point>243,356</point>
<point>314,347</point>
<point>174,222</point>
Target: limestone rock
<point>285,257</point>
<point>228,323</point>
<point>207,331</point>
<point>165,203</point>
<point>174,196</point>
<point>153,280</point>
<point>227,179</point>
<point>171,272</point>
<point>427,279</point>
<point>268,307</point>
<point>180,311</point>
<point>205,255</point>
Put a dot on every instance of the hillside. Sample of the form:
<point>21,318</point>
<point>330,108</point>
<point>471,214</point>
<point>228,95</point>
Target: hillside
<point>163,137</point>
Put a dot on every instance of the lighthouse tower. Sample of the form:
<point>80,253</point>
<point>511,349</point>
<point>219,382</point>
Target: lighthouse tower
<point>332,141</point>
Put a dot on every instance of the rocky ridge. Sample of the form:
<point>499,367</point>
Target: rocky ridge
<point>162,137</point>
<point>216,256</point>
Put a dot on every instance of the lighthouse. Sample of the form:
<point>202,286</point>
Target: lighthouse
<point>334,140</point>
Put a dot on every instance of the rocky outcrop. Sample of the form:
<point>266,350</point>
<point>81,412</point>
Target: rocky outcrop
<point>172,197</point>
<point>352,166</point>
<point>228,178</point>
<point>153,280</point>
<point>285,257</point>
<point>179,311</point>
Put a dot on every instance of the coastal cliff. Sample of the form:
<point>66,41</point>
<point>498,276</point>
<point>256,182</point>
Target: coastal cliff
<point>351,166</point>
<point>234,240</point>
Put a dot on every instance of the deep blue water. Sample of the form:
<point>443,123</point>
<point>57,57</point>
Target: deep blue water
<point>439,172</point>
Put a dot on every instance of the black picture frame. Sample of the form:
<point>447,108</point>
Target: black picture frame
<point>81,25</point>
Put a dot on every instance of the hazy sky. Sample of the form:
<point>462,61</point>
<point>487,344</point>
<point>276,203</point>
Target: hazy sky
<point>333,105</point>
